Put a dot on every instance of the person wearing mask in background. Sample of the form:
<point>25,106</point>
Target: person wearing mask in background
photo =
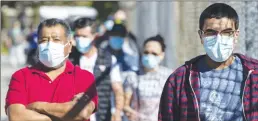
<point>53,89</point>
<point>126,54</point>
<point>119,17</point>
<point>218,86</point>
<point>17,45</point>
<point>101,63</point>
<point>119,45</point>
<point>148,84</point>
<point>102,32</point>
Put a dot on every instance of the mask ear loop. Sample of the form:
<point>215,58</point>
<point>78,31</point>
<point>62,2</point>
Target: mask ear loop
<point>235,41</point>
<point>68,53</point>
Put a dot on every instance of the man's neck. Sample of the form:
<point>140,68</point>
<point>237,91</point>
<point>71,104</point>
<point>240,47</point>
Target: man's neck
<point>91,52</point>
<point>219,65</point>
<point>53,73</point>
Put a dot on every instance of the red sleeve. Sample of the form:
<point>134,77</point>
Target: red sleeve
<point>166,105</point>
<point>86,83</point>
<point>17,92</point>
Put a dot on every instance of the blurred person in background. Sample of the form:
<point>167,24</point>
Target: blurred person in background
<point>106,26</point>
<point>148,84</point>
<point>119,17</point>
<point>218,86</point>
<point>31,51</point>
<point>17,45</point>
<point>53,89</point>
<point>5,41</point>
<point>119,44</point>
<point>101,63</point>
<point>126,54</point>
<point>102,31</point>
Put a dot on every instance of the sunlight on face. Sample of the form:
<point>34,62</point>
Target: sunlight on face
<point>84,32</point>
<point>218,24</point>
<point>56,34</point>
<point>153,46</point>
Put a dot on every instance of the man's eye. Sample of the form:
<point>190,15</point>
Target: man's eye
<point>42,41</point>
<point>209,33</point>
<point>227,33</point>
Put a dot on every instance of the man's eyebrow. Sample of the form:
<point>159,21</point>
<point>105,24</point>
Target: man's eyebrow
<point>56,37</point>
<point>210,30</point>
<point>44,37</point>
<point>227,29</point>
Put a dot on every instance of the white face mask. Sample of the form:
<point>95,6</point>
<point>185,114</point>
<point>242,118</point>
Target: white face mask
<point>83,44</point>
<point>219,48</point>
<point>51,54</point>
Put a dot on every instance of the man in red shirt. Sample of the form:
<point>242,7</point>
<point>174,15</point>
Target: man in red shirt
<point>53,89</point>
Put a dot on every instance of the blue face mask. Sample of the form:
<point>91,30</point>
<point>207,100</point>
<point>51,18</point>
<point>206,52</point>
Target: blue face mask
<point>83,44</point>
<point>219,48</point>
<point>116,43</point>
<point>150,61</point>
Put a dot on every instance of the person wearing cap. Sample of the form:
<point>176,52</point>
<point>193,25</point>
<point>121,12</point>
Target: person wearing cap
<point>118,18</point>
<point>126,54</point>
<point>121,46</point>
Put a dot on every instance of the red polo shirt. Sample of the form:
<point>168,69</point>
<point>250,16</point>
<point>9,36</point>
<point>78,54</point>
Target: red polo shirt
<point>30,84</point>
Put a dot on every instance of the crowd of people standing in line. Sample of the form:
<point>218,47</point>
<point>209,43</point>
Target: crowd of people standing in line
<point>104,76</point>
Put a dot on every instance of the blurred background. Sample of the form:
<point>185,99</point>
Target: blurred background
<point>177,22</point>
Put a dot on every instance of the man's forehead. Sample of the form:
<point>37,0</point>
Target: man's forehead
<point>218,24</point>
<point>57,30</point>
<point>84,30</point>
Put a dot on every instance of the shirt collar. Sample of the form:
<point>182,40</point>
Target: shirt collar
<point>38,68</point>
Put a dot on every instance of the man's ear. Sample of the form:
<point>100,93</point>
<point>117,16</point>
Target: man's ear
<point>236,36</point>
<point>200,35</point>
<point>70,44</point>
<point>95,35</point>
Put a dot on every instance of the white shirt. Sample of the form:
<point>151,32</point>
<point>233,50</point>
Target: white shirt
<point>149,88</point>
<point>88,63</point>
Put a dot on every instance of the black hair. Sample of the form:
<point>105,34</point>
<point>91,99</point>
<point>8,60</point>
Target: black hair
<point>53,22</point>
<point>84,22</point>
<point>158,39</point>
<point>219,10</point>
<point>118,30</point>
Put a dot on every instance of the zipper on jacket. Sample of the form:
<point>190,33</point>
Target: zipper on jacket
<point>195,98</point>
<point>249,73</point>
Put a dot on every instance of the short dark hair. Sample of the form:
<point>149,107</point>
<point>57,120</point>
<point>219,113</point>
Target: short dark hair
<point>158,39</point>
<point>84,22</point>
<point>219,10</point>
<point>119,30</point>
<point>53,22</point>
